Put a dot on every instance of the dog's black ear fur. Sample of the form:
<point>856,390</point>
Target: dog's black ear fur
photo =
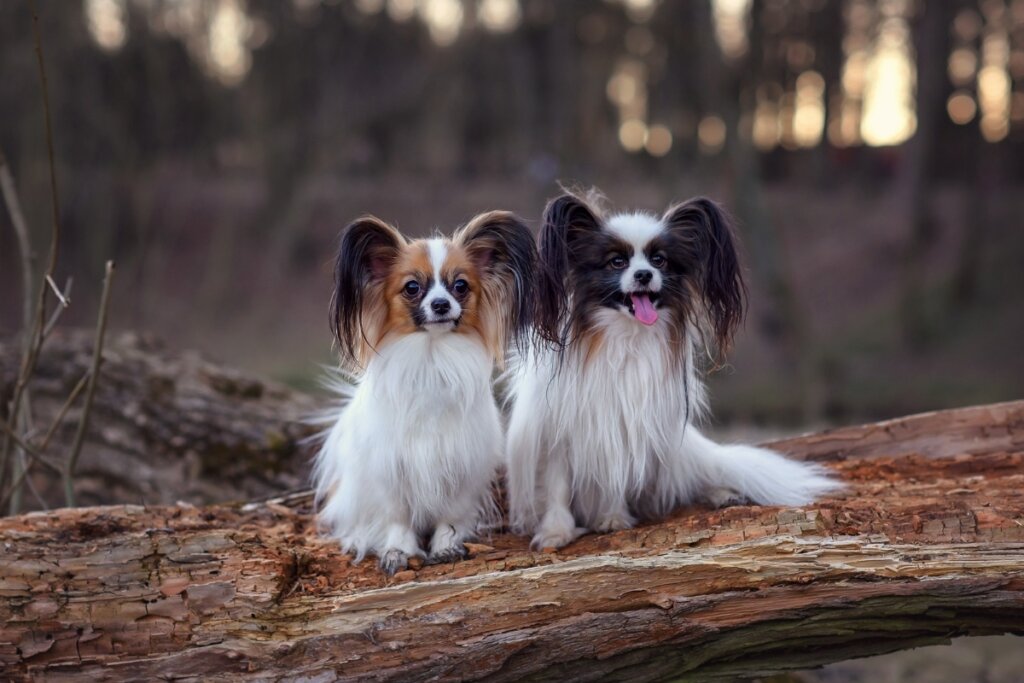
<point>368,249</point>
<point>706,232</point>
<point>503,248</point>
<point>567,220</point>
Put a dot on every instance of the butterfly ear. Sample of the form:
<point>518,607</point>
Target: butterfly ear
<point>369,248</point>
<point>502,247</point>
<point>568,219</point>
<point>706,233</point>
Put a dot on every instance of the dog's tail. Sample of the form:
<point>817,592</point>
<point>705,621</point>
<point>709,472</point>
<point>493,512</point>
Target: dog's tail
<point>328,437</point>
<point>758,475</point>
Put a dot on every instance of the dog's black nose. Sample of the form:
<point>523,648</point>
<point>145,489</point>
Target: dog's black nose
<point>643,276</point>
<point>440,306</point>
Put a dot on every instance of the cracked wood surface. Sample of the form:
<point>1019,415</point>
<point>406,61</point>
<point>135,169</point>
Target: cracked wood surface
<point>927,543</point>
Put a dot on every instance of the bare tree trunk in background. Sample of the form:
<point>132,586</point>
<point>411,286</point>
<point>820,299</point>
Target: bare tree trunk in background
<point>827,32</point>
<point>785,320</point>
<point>931,40</point>
<point>926,544</point>
<point>978,215</point>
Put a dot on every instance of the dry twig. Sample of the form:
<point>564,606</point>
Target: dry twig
<point>90,391</point>
<point>63,411</point>
<point>10,196</point>
<point>36,333</point>
<point>22,475</point>
<point>38,325</point>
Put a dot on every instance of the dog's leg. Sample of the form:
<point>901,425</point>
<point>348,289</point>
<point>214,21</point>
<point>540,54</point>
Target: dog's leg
<point>401,544</point>
<point>615,518</point>
<point>558,527</point>
<point>446,545</point>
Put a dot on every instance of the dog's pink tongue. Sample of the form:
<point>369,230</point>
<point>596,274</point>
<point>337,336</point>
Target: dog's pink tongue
<point>643,309</point>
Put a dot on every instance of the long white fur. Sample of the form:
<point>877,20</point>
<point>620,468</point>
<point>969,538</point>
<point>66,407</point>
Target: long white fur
<point>601,433</point>
<point>415,448</point>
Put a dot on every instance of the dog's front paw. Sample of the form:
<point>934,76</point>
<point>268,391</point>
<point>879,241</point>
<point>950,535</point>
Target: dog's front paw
<point>616,522</point>
<point>450,554</point>
<point>722,497</point>
<point>555,537</point>
<point>393,561</point>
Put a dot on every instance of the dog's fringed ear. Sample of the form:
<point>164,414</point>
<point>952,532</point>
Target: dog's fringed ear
<point>707,232</point>
<point>567,219</point>
<point>503,248</point>
<point>368,249</point>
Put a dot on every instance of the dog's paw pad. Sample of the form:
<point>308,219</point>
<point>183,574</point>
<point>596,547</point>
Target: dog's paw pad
<point>393,561</point>
<point>451,554</point>
<point>556,538</point>
<point>615,523</point>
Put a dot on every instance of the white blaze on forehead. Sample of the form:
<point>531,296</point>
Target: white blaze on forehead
<point>437,251</point>
<point>636,228</point>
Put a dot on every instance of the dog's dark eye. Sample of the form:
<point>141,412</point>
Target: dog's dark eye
<point>412,288</point>
<point>658,261</point>
<point>618,262</point>
<point>460,286</point>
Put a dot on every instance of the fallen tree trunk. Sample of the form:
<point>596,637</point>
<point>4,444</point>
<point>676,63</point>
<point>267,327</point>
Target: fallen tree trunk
<point>165,426</point>
<point>926,544</point>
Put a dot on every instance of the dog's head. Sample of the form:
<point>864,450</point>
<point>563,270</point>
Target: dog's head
<point>642,266</point>
<point>479,283</point>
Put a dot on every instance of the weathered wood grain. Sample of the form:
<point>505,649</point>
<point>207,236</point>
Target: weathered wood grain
<point>927,543</point>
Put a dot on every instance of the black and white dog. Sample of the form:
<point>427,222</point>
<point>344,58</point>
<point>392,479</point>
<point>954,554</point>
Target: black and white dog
<point>602,432</point>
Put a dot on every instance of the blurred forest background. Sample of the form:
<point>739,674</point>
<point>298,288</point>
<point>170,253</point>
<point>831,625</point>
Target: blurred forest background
<point>871,150</point>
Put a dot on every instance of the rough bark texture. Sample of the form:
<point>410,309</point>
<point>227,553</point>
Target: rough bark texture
<point>165,426</point>
<point>927,543</point>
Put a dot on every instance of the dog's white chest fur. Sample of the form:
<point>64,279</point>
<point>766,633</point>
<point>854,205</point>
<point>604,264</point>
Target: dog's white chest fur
<point>635,405</point>
<point>614,415</point>
<point>421,434</point>
<point>606,434</point>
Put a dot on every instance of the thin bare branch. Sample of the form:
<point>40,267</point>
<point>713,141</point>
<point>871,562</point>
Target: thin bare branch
<point>10,195</point>
<point>18,480</point>
<point>90,391</point>
<point>28,265</point>
<point>55,316</point>
<point>64,302</point>
<point>35,454</point>
<point>27,258</point>
<point>35,335</point>
<point>35,493</point>
<point>22,477</point>
<point>54,196</point>
<point>20,462</point>
<point>63,411</point>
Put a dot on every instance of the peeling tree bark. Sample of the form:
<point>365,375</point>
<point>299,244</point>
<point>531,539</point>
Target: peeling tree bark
<point>927,543</point>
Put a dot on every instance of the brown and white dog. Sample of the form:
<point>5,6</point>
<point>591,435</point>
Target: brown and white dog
<point>421,324</point>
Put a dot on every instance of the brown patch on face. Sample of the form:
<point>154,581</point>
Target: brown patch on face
<point>403,314</point>
<point>476,310</point>
<point>404,309</point>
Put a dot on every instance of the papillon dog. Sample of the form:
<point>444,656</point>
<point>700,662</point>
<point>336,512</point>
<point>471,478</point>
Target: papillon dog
<point>606,400</point>
<point>421,324</point>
